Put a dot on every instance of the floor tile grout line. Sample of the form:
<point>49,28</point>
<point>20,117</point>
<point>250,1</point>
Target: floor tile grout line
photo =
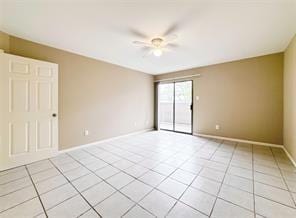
<point>66,171</point>
<point>213,195</point>
<point>140,161</point>
<point>116,189</point>
<point>258,172</point>
<point>82,148</point>
<point>179,199</point>
<point>149,150</point>
<point>13,180</point>
<point>44,180</point>
<point>115,161</point>
<point>176,152</point>
<point>290,193</point>
<point>119,155</point>
<point>259,181</point>
<point>233,151</point>
<point>90,209</point>
<point>245,179</point>
<point>13,168</point>
<point>131,175</point>
<point>277,202</point>
<point>123,150</point>
<point>16,190</point>
<point>135,178</point>
<point>253,181</point>
<point>66,199</point>
<point>134,164</point>
<point>60,184</point>
<point>37,192</point>
<point>23,166</point>
<point>244,208</point>
<point>40,170</point>
<point>240,190</point>
<point>75,188</point>
<point>36,197</point>
<point>153,188</point>
<point>267,174</point>
<point>177,167</point>
<point>93,172</point>
<point>17,204</point>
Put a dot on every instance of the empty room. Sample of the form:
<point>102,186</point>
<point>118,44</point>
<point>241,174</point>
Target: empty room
<point>148,108</point>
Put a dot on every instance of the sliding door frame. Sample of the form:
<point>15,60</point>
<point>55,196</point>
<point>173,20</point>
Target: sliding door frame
<point>174,106</point>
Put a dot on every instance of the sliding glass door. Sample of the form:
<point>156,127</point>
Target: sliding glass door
<point>175,106</point>
<point>166,106</point>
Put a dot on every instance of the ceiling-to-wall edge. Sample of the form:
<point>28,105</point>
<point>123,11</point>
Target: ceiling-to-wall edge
<point>66,50</point>
<point>124,66</point>
<point>190,71</point>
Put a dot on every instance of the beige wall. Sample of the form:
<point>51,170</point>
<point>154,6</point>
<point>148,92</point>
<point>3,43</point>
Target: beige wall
<point>290,98</point>
<point>244,97</point>
<point>105,99</point>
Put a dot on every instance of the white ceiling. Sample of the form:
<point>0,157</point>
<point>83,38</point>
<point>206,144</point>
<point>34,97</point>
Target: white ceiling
<point>209,31</point>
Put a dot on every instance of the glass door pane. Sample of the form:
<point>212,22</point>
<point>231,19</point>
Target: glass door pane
<point>183,102</point>
<point>166,106</point>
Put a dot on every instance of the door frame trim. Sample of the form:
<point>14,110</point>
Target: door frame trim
<point>174,106</point>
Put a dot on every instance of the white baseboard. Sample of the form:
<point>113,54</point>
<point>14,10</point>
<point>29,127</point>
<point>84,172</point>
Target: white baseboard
<point>289,156</point>
<point>238,140</point>
<point>6,167</point>
<point>249,142</point>
<point>104,140</point>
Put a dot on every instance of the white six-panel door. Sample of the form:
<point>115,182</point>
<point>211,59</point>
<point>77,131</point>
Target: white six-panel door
<point>29,110</point>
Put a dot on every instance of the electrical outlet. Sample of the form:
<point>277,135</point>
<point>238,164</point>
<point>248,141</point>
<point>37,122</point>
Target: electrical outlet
<point>86,132</point>
<point>135,123</point>
<point>217,127</point>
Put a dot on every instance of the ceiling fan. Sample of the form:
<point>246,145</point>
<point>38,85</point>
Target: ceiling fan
<point>158,45</point>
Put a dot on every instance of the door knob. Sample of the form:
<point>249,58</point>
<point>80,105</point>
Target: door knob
<point>54,115</point>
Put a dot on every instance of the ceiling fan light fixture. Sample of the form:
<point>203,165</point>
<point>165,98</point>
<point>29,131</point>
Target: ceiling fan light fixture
<point>157,46</point>
<point>157,52</point>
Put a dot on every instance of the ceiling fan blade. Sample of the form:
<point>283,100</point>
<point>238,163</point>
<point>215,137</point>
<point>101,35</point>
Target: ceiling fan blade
<point>172,45</point>
<point>137,33</point>
<point>142,43</point>
<point>183,21</point>
<point>171,29</point>
<point>171,38</point>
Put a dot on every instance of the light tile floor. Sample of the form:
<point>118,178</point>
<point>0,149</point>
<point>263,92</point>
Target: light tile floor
<point>155,174</point>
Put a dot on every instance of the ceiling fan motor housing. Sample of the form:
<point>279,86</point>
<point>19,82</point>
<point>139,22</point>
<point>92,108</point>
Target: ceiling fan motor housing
<point>157,41</point>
